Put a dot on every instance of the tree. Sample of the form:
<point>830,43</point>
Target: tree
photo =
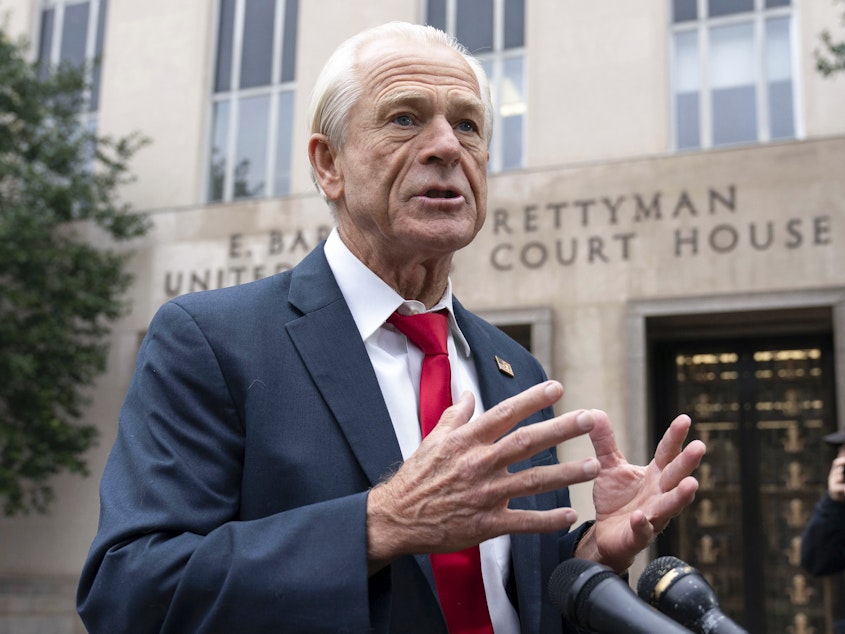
<point>831,59</point>
<point>58,292</point>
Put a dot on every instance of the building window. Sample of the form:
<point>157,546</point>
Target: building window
<point>252,102</point>
<point>732,72</point>
<point>493,31</point>
<point>72,33</point>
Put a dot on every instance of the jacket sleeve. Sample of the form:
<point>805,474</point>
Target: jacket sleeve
<point>823,541</point>
<point>171,553</point>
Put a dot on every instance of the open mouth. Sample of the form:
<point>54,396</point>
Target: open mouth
<point>441,193</point>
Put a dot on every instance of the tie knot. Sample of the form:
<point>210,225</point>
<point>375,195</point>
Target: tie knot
<point>427,331</point>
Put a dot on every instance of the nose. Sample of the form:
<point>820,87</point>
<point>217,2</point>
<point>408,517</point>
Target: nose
<point>440,143</point>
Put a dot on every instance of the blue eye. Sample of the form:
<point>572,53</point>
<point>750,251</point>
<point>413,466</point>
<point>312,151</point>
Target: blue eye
<point>467,126</point>
<point>404,120</point>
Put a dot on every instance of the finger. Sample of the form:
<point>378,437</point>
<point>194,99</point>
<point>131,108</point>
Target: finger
<point>522,521</point>
<point>683,465</point>
<point>542,479</point>
<point>500,419</point>
<point>671,503</point>
<point>643,530</point>
<point>673,440</point>
<point>456,415</point>
<point>604,441</point>
<point>531,439</point>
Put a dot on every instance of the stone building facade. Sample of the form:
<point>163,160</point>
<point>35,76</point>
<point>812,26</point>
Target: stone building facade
<point>665,231</point>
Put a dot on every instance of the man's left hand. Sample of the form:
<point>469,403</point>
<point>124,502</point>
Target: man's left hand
<point>634,503</point>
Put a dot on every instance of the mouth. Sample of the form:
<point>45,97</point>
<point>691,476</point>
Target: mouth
<point>441,193</point>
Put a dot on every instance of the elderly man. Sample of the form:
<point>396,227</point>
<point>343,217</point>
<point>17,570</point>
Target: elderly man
<point>271,473</point>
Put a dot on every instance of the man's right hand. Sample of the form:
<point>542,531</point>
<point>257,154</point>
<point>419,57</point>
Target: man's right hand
<point>453,492</point>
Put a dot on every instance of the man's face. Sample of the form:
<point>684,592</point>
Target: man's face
<point>412,171</point>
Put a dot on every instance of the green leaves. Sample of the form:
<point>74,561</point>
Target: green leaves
<point>58,293</point>
<point>831,59</point>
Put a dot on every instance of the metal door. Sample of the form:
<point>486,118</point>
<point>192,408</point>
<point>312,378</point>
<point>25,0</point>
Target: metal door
<point>762,407</point>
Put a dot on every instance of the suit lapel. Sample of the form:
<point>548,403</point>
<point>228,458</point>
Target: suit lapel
<point>493,384</point>
<point>332,350</point>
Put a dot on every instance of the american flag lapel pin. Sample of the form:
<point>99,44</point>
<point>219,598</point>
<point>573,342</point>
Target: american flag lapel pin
<point>504,366</point>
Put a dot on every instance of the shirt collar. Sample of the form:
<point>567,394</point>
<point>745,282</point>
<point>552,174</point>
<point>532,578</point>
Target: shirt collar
<point>371,301</point>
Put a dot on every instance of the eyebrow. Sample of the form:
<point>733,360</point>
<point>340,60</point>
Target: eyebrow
<point>462,104</point>
<point>400,99</point>
<point>467,105</point>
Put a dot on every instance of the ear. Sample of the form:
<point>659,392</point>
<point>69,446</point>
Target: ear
<point>327,169</point>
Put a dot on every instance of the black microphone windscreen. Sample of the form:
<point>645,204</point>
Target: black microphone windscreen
<point>681,592</point>
<point>562,579</point>
<point>594,598</point>
<point>653,573</point>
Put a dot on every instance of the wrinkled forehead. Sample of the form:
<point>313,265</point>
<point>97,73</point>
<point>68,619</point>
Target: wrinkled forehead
<point>395,63</point>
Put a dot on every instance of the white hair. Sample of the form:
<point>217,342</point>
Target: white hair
<point>339,85</point>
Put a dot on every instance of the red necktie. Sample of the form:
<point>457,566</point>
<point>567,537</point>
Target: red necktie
<point>458,574</point>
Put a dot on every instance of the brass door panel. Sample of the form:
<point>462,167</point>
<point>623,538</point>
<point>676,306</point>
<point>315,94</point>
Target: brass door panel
<point>762,407</point>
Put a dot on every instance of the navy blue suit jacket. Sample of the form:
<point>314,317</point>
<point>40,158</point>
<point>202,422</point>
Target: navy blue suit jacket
<point>234,499</point>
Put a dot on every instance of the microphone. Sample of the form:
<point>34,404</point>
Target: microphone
<point>593,597</point>
<point>681,592</point>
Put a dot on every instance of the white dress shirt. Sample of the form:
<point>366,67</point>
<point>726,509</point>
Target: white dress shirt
<point>397,364</point>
